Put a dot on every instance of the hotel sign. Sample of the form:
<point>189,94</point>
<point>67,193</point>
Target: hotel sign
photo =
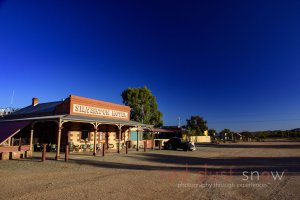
<point>89,110</point>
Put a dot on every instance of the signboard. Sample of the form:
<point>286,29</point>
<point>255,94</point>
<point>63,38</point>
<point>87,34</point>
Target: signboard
<point>89,110</point>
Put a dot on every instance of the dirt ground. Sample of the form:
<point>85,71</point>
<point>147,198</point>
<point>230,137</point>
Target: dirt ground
<point>212,172</point>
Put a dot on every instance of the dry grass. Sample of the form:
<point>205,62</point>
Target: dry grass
<point>159,174</point>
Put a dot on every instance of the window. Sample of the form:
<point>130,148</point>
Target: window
<point>85,135</point>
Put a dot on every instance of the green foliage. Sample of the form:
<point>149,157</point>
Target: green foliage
<point>223,132</point>
<point>226,130</point>
<point>212,132</point>
<point>294,133</point>
<point>196,125</point>
<point>262,135</point>
<point>143,106</point>
<point>247,135</point>
<point>147,136</point>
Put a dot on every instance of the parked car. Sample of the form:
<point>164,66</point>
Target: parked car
<point>178,143</point>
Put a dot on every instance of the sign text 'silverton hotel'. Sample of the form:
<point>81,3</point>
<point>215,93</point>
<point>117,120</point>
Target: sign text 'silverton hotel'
<point>81,122</point>
<point>98,111</point>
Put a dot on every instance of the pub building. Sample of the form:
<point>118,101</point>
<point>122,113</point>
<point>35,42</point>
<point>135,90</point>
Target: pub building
<point>82,123</point>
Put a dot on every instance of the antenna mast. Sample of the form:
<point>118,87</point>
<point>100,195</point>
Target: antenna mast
<point>12,98</point>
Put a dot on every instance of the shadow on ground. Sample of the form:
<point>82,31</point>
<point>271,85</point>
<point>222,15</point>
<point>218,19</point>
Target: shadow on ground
<point>179,163</point>
<point>245,146</point>
<point>165,161</point>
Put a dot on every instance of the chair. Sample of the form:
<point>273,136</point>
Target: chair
<point>122,145</point>
<point>84,147</point>
<point>53,147</point>
<point>38,147</point>
<point>98,147</point>
<point>76,148</point>
<point>71,147</point>
<point>91,147</point>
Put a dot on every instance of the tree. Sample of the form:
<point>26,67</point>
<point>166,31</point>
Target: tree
<point>225,132</point>
<point>196,125</point>
<point>247,135</point>
<point>262,135</point>
<point>212,132</point>
<point>143,106</point>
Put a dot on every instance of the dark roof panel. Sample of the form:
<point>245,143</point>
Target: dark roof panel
<point>7,129</point>
<point>39,108</point>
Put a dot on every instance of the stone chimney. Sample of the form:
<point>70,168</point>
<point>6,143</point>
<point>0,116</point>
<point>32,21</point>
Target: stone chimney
<point>35,101</point>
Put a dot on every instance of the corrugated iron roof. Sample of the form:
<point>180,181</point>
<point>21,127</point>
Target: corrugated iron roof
<point>79,118</point>
<point>103,120</point>
<point>37,109</point>
<point>160,130</point>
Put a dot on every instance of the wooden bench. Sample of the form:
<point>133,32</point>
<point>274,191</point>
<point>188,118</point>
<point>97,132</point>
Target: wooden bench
<point>15,155</point>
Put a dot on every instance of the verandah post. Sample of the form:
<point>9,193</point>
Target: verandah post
<point>58,139</point>
<point>103,150</point>
<point>44,152</point>
<point>137,139</point>
<point>67,153</point>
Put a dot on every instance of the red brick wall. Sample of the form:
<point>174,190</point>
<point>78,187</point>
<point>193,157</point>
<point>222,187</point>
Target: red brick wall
<point>63,108</point>
<point>97,103</point>
<point>14,148</point>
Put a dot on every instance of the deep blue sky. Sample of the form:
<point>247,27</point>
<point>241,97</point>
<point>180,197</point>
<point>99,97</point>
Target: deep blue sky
<point>236,63</point>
